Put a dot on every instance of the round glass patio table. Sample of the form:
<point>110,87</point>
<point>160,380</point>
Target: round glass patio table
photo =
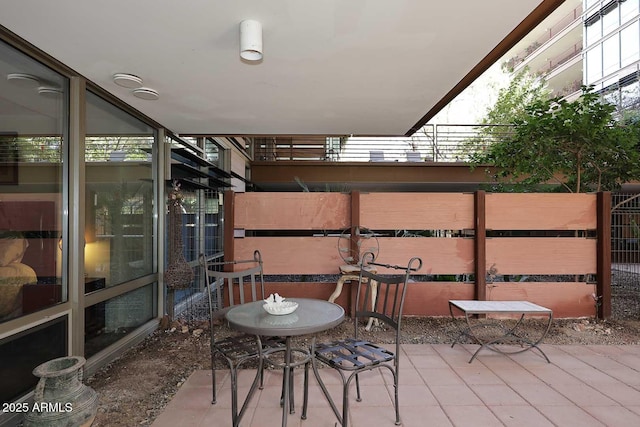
<point>311,316</point>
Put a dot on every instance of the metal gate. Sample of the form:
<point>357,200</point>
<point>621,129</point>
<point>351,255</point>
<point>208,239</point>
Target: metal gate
<point>625,256</point>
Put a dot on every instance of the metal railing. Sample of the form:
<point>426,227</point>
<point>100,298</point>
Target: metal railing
<point>432,143</point>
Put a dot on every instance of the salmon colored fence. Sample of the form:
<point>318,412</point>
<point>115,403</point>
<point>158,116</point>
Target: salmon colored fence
<point>550,249</point>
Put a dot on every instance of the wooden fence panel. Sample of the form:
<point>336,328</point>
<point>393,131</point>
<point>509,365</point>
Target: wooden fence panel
<point>416,211</point>
<point>439,255</point>
<point>292,211</point>
<point>566,299</point>
<point>541,255</point>
<point>432,298</point>
<point>534,211</point>
<point>292,255</point>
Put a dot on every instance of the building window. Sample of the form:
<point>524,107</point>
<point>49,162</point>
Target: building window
<point>119,221</point>
<point>33,135</point>
<point>22,352</point>
<point>119,191</point>
<point>630,96</point>
<point>630,44</point>
<point>628,10</point>
<point>110,320</point>
<point>611,55</point>
<point>593,64</point>
<point>593,33</point>
<point>610,18</point>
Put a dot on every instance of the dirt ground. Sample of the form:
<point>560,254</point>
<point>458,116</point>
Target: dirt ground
<point>135,388</point>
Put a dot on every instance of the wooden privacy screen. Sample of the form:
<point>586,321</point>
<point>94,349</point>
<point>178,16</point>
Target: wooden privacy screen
<point>549,236</point>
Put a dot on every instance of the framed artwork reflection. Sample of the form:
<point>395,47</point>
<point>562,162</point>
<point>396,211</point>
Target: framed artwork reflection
<point>8,158</point>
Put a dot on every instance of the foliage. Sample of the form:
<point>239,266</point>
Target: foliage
<point>524,88</point>
<point>577,145</point>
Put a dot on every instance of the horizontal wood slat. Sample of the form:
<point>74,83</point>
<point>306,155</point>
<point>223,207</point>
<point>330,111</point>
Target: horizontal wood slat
<point>292,211</point>
<point>528,211</point>
<point>528,255</point>
<point>566,299</point>
<point>292,255</point>
<point>439,255</point>
<point>432,298</point>
<point>416,211</point>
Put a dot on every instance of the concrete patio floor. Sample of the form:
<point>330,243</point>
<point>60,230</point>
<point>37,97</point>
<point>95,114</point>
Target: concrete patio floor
<point>582,386</point>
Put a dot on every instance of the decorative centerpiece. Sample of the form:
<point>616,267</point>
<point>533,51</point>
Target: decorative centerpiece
<point>277,306</point>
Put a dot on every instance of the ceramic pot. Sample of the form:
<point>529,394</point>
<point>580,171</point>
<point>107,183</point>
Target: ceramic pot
<point>61,398</point>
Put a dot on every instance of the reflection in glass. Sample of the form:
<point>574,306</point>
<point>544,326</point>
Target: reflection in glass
<point>594,64</point>
<point>611,55</point>
<point>119,194</point>
<point>629,44</point>
<point>33,121</point>
<point>22,352</point>
<point>111,320</point>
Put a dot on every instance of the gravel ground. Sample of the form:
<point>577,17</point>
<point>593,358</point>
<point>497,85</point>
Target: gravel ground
<point>135,389</point>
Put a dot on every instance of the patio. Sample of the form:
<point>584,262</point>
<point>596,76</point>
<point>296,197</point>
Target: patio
<point>586,385</point>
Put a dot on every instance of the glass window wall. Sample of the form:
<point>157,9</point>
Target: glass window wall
<point>593,32</point>
<point>119,192</point>
<point>109,321</point>
<point>593,64</point>
<point>119,220</point>
<point>22,352</point>
<point>610,20</point>
<point>628,10</point>
<point>611,55</point>
<point>630,45</point>
<point>33,130</point>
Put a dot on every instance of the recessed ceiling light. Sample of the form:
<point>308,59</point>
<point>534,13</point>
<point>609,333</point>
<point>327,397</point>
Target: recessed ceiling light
<point>127,80</point>
<point>23,80</point>
<point>146,93</point>
<point>50,91</point>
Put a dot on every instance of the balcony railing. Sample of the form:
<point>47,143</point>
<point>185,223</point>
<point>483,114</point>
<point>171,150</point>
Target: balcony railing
<point>550,33</point>
<point>433,143</point>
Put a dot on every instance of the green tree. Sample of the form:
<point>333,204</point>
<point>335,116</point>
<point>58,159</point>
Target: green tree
<point>577,145</point>
<point>524,88</point>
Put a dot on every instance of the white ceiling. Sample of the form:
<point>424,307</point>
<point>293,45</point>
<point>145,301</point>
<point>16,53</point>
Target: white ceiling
<point>330,67</point>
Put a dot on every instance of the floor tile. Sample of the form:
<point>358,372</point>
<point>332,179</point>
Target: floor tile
<point>583,385</point>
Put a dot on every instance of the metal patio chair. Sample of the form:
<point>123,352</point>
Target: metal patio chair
<point>354,356</point>
<point>242,286</point>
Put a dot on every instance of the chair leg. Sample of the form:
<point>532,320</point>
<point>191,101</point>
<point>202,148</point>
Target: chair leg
<point>234,396</point>
<point>261,386</point>
<point>213,380</point>
<point>358,396</point>
<point>305,395</point>
<point>345,403</point>
<point>213,386</point>
<point>395,395</point>
<point>324,390</point>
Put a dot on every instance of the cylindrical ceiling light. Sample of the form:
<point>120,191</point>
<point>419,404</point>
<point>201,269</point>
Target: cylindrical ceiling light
<point>251,40</point>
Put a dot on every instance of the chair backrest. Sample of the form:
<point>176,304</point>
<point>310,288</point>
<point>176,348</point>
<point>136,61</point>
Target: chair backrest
<point>388,300</point>
<point>245,284</point>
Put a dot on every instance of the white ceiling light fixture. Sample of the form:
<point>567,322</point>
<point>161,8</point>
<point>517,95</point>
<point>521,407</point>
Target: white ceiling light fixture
<point>127,80</point>
<point>146,93</point>
<point>251,40</point>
